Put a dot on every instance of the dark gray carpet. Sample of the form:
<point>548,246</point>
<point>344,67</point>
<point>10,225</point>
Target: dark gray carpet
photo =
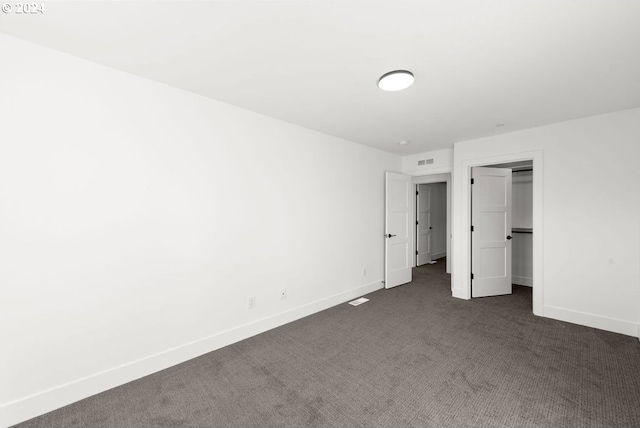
<point>412,356</point>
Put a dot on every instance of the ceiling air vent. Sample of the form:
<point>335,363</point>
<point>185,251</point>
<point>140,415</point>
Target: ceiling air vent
<point>425,162</point>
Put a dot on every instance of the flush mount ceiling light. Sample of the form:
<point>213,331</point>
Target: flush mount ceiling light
<point>396,80</point>
<point>403,143</point>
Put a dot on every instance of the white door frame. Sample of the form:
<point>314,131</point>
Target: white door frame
<point>461,281</point>
<point>423,201</point>
<point>429,179</point>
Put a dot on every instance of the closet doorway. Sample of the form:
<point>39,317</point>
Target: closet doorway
<point>501,228</point>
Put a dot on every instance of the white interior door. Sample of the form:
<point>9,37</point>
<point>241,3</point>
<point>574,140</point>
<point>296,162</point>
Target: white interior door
<point>397,261</point>
<point>423,226</point>
<point>491,232</point>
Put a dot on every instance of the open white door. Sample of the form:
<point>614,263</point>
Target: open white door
<point>491,232</point>
<point>397,261</point>
<point>423,225</point>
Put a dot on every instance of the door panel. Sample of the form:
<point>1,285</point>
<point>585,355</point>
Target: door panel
<point>491,222</point>
<point>397,229</point>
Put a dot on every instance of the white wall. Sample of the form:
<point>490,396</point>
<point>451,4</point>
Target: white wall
<point>442,162</point>
<point>590,215</point>
<point>522,259</point>
<point>522,200</point>
<point>136,219</point>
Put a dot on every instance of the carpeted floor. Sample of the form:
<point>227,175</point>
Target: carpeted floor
<point>412,356</point>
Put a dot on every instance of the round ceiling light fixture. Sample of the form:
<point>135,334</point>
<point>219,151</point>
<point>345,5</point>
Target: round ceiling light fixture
<point>396,80</point>
<point>403,142</point>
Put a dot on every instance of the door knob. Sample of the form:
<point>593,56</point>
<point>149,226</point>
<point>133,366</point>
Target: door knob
<point>509,237</point>
<point>390,236</point>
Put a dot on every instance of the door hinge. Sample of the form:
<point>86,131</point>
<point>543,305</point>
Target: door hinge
<point>416,222</point>
<point>416,253</point>
<point>417,193</point>
<point>472,181</point>
<point>472,228</point>
<point>471,276</point>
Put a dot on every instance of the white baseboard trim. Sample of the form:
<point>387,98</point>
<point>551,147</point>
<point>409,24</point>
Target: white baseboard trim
<point>522,280</point>
<point>439,255</point>
<point>591,320</point>
<point>459,293</point>
<point>42,402</point>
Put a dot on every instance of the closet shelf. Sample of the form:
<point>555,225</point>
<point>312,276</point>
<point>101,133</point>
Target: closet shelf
<point>522,230</point>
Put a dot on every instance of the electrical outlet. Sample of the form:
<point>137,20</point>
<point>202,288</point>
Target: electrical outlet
<point>283,294</point>
<point>252,302</point>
